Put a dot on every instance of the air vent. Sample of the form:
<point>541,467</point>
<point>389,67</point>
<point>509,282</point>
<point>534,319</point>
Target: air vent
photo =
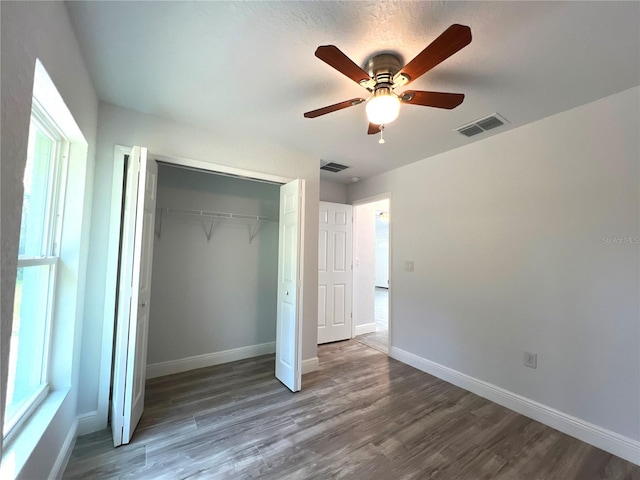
<point>333,167</point>
<point>470,131</point>
<point>489,123</point>
<point>482,125</point>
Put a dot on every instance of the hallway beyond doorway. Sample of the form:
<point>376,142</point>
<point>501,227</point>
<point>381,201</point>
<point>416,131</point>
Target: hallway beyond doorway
<point>380,338</point>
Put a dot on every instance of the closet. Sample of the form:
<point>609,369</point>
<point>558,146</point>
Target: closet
<point>215,270</point>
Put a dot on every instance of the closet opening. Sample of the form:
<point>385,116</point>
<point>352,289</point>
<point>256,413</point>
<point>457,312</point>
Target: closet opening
<point>215,264</point>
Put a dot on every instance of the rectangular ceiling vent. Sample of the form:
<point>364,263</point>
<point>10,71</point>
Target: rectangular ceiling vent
<point>333,167</point>
<point>482,125</point>
<point>470,131</point>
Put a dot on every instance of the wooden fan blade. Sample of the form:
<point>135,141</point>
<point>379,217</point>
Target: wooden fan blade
<point>331,55</point>
<point>333,108</point>
<point>453,39</point>
<point>432,99</point>
<point>373,129</point>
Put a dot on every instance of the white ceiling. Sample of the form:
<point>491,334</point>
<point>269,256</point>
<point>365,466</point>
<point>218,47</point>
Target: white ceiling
<point>247,69</point>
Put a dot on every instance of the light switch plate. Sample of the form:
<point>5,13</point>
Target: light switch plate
<point>408,265</point>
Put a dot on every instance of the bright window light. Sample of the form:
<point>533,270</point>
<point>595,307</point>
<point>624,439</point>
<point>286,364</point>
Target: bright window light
<point>38,252</point>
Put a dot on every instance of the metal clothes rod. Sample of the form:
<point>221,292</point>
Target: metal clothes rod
<point>214,218</point>
<point>206,213</point>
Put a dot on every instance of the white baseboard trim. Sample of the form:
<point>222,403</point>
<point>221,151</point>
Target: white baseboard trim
<point>612,442</point>
<point>208,359</point>
<point>310,365</point>
<point>89,423</point>
<point>366,328</point>
<point>65,453</point>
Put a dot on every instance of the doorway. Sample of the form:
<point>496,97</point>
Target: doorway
<point>371,278</point>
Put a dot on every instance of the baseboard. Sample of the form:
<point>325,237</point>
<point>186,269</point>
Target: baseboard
<point>310,365</point>
<point>208,359</point>
<point>89,423</point>
<point>65,452</point>
<point>612,442</point>
<point>366,328</point>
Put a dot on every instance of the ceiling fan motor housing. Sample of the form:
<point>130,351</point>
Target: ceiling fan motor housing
<point>382,69</point>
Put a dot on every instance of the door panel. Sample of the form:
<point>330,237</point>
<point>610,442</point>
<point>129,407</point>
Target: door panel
<point>124,295</point>
<point>335,272</point>
<point>339,305</point>
<point>339,252</point>
<point>141,287</point>
<point>289,317</point>
<point>322,302</point>
<point>134,296</point>
<point>323,247</point>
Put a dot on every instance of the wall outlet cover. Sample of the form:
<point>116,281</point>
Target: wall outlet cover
<point>530,360</point>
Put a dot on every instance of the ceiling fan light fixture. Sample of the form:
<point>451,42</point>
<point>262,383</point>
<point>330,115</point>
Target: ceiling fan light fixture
<point>384,73</point>
<point>384,107</point>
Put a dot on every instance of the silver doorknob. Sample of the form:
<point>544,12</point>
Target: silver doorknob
<point>287,292</point>
<point>144,304</point>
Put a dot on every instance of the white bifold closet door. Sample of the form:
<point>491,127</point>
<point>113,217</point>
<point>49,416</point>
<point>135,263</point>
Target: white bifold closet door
<point>289,311</point>
<point>335,272</point>
<point>134,289</point>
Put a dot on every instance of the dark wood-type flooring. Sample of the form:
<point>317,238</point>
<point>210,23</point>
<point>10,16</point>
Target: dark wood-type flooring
<point>362,416</point>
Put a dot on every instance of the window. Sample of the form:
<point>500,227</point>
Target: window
<point>39,251</point>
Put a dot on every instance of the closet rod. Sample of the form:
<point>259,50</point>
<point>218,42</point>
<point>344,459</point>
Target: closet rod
<point>222,215</point>
<point>254,222</point>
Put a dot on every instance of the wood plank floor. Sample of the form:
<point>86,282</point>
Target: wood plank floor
<point>362,416</point>
<point>377,340</point>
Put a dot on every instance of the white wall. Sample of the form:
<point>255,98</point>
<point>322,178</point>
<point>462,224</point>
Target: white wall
<point>333,191</point>
<point>30,31</point>
<point>217,295</point>
<point>513,240</point>
<point>117,125</point>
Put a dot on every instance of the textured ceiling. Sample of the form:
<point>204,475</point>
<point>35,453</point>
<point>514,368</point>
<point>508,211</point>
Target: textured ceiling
<point>248,70</point>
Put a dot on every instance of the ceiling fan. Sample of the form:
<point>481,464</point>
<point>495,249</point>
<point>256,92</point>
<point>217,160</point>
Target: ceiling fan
<point>384,73</point>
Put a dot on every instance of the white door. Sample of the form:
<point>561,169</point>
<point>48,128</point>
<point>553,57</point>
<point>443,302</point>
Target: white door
<point>134,288</point>
<point>334,272</point>
<point>289,316</point>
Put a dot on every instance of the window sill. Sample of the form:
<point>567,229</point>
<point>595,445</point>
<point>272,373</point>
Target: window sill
<point>17,452</point>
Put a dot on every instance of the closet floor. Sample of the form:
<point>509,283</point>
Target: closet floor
<point>363,415</point>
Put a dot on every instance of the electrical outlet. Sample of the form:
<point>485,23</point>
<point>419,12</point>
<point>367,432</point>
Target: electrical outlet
<point>530,360</point>
<point>408,265</point>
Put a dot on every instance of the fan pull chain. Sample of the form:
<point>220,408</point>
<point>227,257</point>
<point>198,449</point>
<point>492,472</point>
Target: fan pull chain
<point>381,141</point>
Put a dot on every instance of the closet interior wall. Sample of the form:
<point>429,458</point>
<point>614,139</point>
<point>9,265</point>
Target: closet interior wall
<point>212,289</point>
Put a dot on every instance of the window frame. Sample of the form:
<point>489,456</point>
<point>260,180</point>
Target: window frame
<point>49,256</point>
